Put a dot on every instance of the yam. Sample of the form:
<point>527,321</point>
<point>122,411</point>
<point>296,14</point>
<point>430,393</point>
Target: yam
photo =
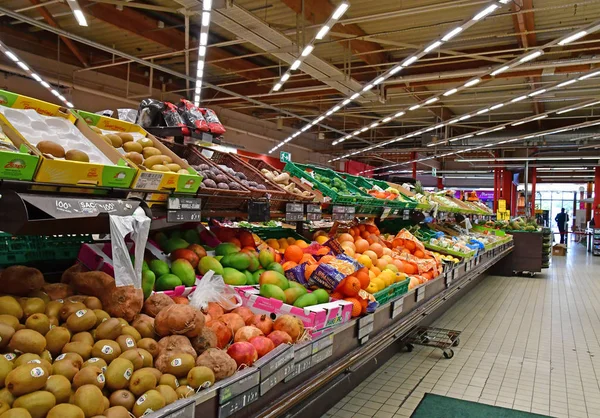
<point>123,302</point>
<point>179,343</point>
<point>179,320</point>
<point>93,283</point>
<point>205,340</point>
<point>69,273</point>
<point>155,303</point>
<point>58,291</point>
<point>21,280</point>
<point>218,361</point>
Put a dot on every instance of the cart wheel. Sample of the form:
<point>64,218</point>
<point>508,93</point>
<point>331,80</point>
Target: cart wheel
<point>448,353</point>
<point>409,347</point>
<point>456,342</point>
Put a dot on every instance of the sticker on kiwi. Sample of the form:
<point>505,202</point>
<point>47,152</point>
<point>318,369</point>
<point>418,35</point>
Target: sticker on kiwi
<point>80,313</point>
<point>62,356</point>
<point>141,400</point>
<point>107,349</point>
<point>103,368</point>
<point>10,356</point>
<point>93,359</point>
<point>129,343</point>
<point>36,361</point>
<point>176,362</point>
<point>206,385</point>
<point>176,383</point>
<point>128,374</point>
<point>104,319</point>
<point>52,326</point>
<point>60,301</point>
<point>37,372</point>
<point>101,378</point>
<point>0,339</point>
<point>148,412</point>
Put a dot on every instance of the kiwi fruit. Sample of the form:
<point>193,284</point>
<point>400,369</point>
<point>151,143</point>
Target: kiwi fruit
<point>149,401</point>
<point>69,308</point>
<point>101,316</point>
<point>142,381</point>
<point>44,364</point>
<point>40,294</point>
<point>82,320</point>
<point>27,341</point>
<point>32,306</point>
<point>38,322</point>
<point>26,379</point>
<point>150,345</point>
<point>76,155</point>
<point>135,157</point>
<point>52,148</point>
<point>89,376</point>
<point>122,398</point>
<point>168,393</point>
<point>116,412</point>
<point>160,167</point>
<point>131,331</point>
<point>53,321</point>
<point>115,140</point>
<point>6,396</point>
<point>154,371</point>
<point>96,129</point>
<point>148,360</point>
<point>5,368</point>
<point>53,308</point>
<point>66,368</point>
<point>92,302</point>
<point>56,339</point>
<point>146,142</point>
<point>16,413</point>
<point>107,350</point>
<point>46,356</point>
<point>123,322</point>
<point>66,410</point>
<point>9,320</point>
<point>83,337</point>
<point>74,357</point>
<point>90,399</point>
<point>4,407</point>
<point>78,347</point>
<point>10,357</point>
<point>106,139</point>
<point>134,357</point>
<point>106,402</point>
<point>118,373</point>
<point>125,136</point>
<point>6,333</point>
<point>25,358</point>
<point>179,364</point>
<point>174,167</point>
<point>10,306</point>
<point>109,329</point>
<point>60,387</point>
<point>126,342</point>
<point>168,380</point>
<point>184,391</point>
<point>133,147</point>
<point>37,403</point>
<point>182,381</point>
<point>96,362</point>
<point>200,376</point>
<point>148,152</point>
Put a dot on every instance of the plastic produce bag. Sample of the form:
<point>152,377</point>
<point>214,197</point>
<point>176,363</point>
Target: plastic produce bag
<point>171,116</point>
<point>213,121</point>
<point>212,288</point>
<point>138,224</point>
<point>149,113</point>
<point>128,115</point>
<point>192,116</point>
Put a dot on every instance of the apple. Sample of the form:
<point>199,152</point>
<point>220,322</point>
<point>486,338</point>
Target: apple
<point>186,254</point>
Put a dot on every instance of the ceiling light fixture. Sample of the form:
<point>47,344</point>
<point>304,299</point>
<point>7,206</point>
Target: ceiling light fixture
<point>473,82</point>
<point>77,12</point>
<point>432,100</point>
<point>531,56</point>
<point>572,38</point>
<point>409,61</point>
<point>203,43</point>
<point>450,92</point>
<point>485,12</point>
<point>433,46</point>
<point>537,93</point>
<point>499,70</point>
<point>452,34</point>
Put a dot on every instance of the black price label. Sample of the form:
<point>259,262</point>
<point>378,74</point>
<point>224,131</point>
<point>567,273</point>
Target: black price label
<point>299,367</point>
<point>314,216</point>
<point>397,307</point>
<point>420,293</point>
<point>323,342</point>
<point>406,214</point>
<point>268,383</point>
<point>365,331</point>
<point>294,207</point>
<point>184,203</point>
<point>276,359</point>
<point>239,402</point>
<point>314,209</point>
<point>238,383</point>
<point>294,217</point>
<point>322,355</point>
<point>183,216</point>
<point>183,408</point>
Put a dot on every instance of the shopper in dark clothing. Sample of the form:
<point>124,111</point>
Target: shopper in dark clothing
<point>561,219</point>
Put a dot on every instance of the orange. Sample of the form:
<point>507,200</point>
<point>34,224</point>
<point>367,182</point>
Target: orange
<point>419,254</point>
<point>428,275</point>
<point>289,265</point>
<point>409,268</point>
<point>323,251</point>
<point>307,258</point>
<point>350,286</point>
<point>345,237</point>
<point>322,239</point>
<point>293,253</point>
<point>387,251</point>
<point>397,242</point>
<point>380,264</point>
<point>361,245</point>
<point>349,251</point>
<point>365,260</point>
<point>291,240</point>
<point>364,304</point>
<point>356,306</point>
<point>364,234</point>
<point>377,249</point>
<point>273,243</point>
<point>363,278</point>
<point>308,270</point>
<point>409,245</point>
<point>361,228</point>
<point>371,228</point>
<point>414,282</point>
<point>349,245</point>
<point>371,255</point>
<point>301,244</point>
<point>376,270</point>
<point>336,295</point>
<point>371,275</point>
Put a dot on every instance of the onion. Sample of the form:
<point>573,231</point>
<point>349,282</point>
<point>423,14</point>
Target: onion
<point>247,332</point>
<point>280,337</point>
<point>291,325</point>
<point>223,332</point>
<point>262,322</point>
<point>233,321</point>
<point>262,345</point>
<point>244,312</point>
<point>243,353</point>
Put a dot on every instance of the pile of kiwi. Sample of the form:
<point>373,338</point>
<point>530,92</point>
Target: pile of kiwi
<point>57,151</point>
<point>69,359</point>
<point>141,152</point>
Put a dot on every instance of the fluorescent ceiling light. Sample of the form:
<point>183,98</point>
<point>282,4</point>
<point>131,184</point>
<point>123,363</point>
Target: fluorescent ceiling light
<point>498,106</point>
<point>354,96</point>
<point>485,12</point>
<point>397,115</point>
<point>518,99</point>
<point>531,56</point>
<point>295,65</point>
<point>346,102</point>
<point>365,129</point>
<point>321,34</point>
<point>285,77</point>
<point>395,69</point>
<point>566,83</point>
<point>277,87</point>
<point>203,38</point>
<point>482,111</point>
<point>367,87</point>
<point>409,61</point>
<point>205,18</point>
<point>499,70</point>
<point>206,4</point>
<point>43,83</point>
<point>453,121</point>
<point>433,46</point>
<point>340,10</point>
<point>432,100</point>
<point>538,92</point>
<point>307,50</point>
<point>374,125</point>
<point>386,120</point>
<point>585,77</point>
<point>572,38</point>
<point>452,34</point>
<point>11,55</point>
<point>36,77</point>
<point>201,51</point>
<point>450,92</point>
<point>79,16</point>
<point>336,108</point>
<point>379,80</point>
<point>471,83</point>
<point>23,65</point>
<point>465,117</point>
<point>415,107</point>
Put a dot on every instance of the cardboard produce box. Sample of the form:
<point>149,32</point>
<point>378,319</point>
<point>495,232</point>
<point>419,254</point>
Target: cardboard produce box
<point>559,250</point>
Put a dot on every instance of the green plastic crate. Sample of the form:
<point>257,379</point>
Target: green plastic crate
<point>32,249</point>
<point>276,233</point>
<point>447,251</point>
<point>392,292</point>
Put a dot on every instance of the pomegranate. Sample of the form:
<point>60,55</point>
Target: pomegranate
<point>244,312</point>
<point>262,322</point>
<point>243,353</point>
<point>233,321</point>
<point>214,310</point>
<point>262,344</point>
<point>223,332</point>
<point>247,332</point>
<point>291,325</point>
<point>280,337</point>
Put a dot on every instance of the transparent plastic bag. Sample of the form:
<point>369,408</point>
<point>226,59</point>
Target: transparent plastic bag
<point>212,288</point>
<point>128,115</point>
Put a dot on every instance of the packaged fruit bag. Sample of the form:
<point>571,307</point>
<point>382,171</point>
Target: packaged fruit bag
<point>332,270</point>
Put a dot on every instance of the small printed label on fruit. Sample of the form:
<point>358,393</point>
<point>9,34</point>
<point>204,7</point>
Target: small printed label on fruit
<point>107,349</point>
<point>176,362</point>
<point>10,356</point>
<point>80,313</point>
<point>60,301</point>
<point>141,400</point>
<point>36,361</point>
<point>105,319</point>
<point>148,412</point>
<point>37,372</point>
<point>176,383</point>
<point>52,326</point>
<point>62,356</point>
<point>128,373</point>
<point>103,368</point>
<point>93,359</point>
<point>206,385</point>
<point>129,342</point>
<point>101,378</point>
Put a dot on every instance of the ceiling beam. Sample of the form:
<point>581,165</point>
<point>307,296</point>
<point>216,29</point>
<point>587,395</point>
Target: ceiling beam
<point>69,43</point>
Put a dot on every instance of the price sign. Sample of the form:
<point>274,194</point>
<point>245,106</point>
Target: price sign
<point>294,212</point>
<point>322,355</point>
<point>239,383</point>
<point>420,293</point>
<point>299,367</point>
<point>322,342</point>
<point>343,213</point>
<point>365,326</point>
<point>275,360</point>
<point>184,203</point>
<point>268,383</point>
<point>184,209</point>
<point>239,402</point>
<point>314,212</point>
<point>397,307</point>
<point>183,408</point>
<point>65,207</point>
<point>406,214</point>
<point>386,213</point>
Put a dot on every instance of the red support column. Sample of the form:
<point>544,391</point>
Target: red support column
<point>507,189</point>
<point>440,183</point>
<point>596,204</point>
<point>496,188</point>
<point>533,184</point>
<point>513,199</point>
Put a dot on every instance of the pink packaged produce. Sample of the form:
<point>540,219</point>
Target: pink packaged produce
<point>316,319</point>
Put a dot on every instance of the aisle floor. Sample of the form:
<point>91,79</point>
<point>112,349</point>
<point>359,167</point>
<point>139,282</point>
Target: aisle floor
<point>530,344</point>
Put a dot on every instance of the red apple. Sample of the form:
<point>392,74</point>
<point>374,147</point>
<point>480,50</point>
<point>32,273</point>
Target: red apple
<point>198,249</point>
<point>186,254</point>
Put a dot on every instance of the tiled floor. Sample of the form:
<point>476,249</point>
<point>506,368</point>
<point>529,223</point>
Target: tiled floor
<point>528,343</point>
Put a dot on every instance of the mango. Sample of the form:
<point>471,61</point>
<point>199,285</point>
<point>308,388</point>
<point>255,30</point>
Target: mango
<point>256,275</point>
<point>167,282</point>
<point>161,239</point>
<point>321,295</point>
<point>292,294</point>
<point>306,300</point>
<point>173,244</point>
<point>272,291</point>
<point>272,277</point>
<point>185,271</point>
<point>266,257</point>
<point>295,284</point>
<point>191,236</point>
<point>254,263</point>
<point>226,248</point>
<point>275,266</point>
<point>159,267</point>
<point>233,277</point>
<point>148,279</point>
<point>249,277</point>
<point>238,261</point>
<point>210,263</point>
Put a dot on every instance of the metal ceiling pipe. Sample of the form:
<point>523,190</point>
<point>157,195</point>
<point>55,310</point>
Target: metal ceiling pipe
<point>116,52</point>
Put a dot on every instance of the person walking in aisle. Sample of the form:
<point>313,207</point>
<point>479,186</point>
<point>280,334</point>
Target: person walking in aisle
<point>561,220</point>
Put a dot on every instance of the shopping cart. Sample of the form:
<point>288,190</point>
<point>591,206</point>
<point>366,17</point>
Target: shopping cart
<point>434,337</point>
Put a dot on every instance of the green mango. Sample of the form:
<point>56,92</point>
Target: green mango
<point>295,284</point>
<point>210,263</point>
<point>306,300</point>
<point>238,261</point>
<point>275,266</point>
<point>167,282</point>
<point>321,295</point>
<point>159,267</point>
<point>272,291</point>
<point>233,277</point>
<point>175,244</point>
<point>145,266</point>
<point>292,294</point>
<point>254,264</point>
<point>249,278</point>
<point>256,275</point>
<point>148,279</point>
<point>184,270</point>
<point>191,236</point>
<point>226,248</point>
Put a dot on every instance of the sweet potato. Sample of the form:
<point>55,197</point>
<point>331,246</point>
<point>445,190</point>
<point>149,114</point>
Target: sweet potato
<point>21,280</point>
<point>218,361</point>
<point>179,320</point>
<point>155,303</point>
<point>69,273</point>
<point>123,302</point>
<point>205,340</point>
<point>179,343</point>
<point>92,283</point>
<point>58,290</point>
